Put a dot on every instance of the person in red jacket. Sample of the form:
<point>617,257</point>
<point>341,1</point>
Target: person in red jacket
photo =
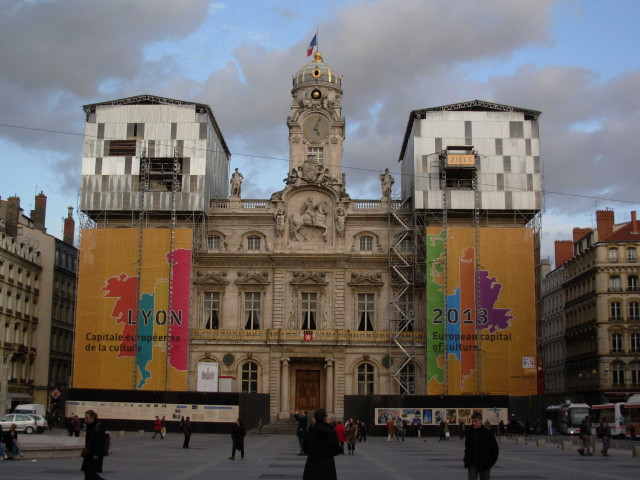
<point>157,428</point>
<point>342,435</point>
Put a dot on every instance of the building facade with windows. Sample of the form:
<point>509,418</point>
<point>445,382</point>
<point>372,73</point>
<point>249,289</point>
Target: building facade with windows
<point>37,304</point>
<point>602,302</point>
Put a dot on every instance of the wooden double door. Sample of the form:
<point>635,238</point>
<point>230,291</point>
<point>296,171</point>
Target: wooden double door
<point>307,390</point>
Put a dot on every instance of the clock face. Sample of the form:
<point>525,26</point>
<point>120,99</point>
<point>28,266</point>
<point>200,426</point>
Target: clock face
<point>316,127</point>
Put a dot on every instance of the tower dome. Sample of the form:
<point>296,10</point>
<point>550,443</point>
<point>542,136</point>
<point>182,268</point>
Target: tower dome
<point>317,72</point>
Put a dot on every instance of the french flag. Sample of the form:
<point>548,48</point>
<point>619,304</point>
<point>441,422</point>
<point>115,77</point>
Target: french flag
<point>311,45</point>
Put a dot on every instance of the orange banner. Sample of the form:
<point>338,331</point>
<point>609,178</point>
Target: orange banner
<point>128,317</point>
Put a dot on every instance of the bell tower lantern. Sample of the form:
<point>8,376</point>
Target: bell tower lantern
<point>316,125</point>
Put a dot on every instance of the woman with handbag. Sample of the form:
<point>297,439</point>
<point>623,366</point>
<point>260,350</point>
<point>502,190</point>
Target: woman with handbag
<point>93,451</point>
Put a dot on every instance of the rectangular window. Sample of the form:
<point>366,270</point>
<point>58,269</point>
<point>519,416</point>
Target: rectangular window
<point>614,283</point>
<point>366,244</point>
<point>365,312</point>
<point>631,254</point>
<point>635,342</point>
<point>615,311</point>
<point>203,131</point>
<point>516,129</point>
<point>616,343</point>
<point>634,311</point>
<point>405,303</point>
<point>213,242</point>
<point>613,255</point>
<point>317,153</point>
<point>253,243</point>
<point>135,130</point>
<point>252,311</point>
<point>634,368</point>
<point>309,310</point>
<point>632,283</point>
<point>617,373</point>
<point>122,148</point>
<point>211,310</point>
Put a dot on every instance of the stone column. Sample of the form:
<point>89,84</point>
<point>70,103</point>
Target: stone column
<point>284,388</point>
<point>329,390</point>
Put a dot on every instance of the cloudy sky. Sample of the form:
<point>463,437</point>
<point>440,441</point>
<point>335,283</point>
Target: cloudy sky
<point>576,61</point>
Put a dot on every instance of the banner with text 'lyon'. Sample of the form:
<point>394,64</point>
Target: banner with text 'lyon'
<point>128,317</point>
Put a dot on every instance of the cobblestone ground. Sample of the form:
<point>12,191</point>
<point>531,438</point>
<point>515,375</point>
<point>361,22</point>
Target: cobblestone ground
<point>274,457</point>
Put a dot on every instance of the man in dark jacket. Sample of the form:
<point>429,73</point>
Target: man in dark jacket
<point>321,445</point>
<point>480,449</point>
<point>303,422</point>
<point>93,452</point>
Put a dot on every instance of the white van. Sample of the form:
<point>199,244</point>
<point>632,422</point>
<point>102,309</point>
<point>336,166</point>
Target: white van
<point>31,408</point>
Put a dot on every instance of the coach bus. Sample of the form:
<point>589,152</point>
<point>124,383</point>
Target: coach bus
<point>613,412</point>
<point>567,417</point>
<point>631,416</point>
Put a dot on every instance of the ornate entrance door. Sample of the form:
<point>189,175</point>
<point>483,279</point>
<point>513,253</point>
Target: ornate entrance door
<point>307,390</point>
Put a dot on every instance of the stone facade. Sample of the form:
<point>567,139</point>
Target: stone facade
<point>602,312</point>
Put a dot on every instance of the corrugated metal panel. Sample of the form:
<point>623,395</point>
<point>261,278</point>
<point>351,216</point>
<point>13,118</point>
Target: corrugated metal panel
<point>88,166</point>
<point>492,200</point>
<point>461,199</point>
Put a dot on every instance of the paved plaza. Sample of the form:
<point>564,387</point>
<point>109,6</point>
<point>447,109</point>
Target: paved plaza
<point>137,457</point>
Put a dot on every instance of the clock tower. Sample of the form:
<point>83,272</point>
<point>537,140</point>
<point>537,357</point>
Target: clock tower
<point>316,125</point>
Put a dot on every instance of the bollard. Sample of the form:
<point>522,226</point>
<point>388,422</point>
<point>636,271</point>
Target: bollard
<point>636,451</point>
<point>121,434</point>
<point>141,433</point>
<point>540,442</point>
<point>519,440</point>
<point>567,445</point>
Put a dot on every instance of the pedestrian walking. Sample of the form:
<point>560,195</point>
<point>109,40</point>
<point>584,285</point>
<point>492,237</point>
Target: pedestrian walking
<point>352,435</point>
<point>259,426</point>
<point>341,434</point>
<point>585,435</point>
<point>157,428</point>
<point>163,430</point>
<point>391,429</point>
<point>441,426</point>
<point>461,429</point>
<point>186,430</point>
<point>363,432</point>
<point>480,449</point>
<point>320,445</point>
<point>549,427</point>
<point>606,436</point>
<point>237,438</point>
<point>93,452</point>
<point>303,423</point>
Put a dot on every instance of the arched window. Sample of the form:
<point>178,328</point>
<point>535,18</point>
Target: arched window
<point>366,243</point>
<point>408,379</point>
<point>250,377</point>
<point>365,379</point>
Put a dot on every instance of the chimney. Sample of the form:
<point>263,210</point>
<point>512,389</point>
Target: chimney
<point>39,213</point>
<point>13,216</point>
<point>69,228</point>
<point>579,234</point>
<point>634,223</point>
<point>564,251</point>
<point>604,220</point>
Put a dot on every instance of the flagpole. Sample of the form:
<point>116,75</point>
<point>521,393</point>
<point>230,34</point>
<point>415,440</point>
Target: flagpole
<point>317,44</point>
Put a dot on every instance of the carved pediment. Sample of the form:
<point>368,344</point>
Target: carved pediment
<point>253,278</point>
<point>366,280</point>
<point>211,278</point>
<point>308,278</point>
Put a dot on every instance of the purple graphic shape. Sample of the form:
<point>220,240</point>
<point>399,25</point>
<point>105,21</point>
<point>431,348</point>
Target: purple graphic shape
<point>497,318</point>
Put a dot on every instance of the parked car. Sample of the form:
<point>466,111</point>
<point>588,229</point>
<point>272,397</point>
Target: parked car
<point>24,423</point>
<point>41,422</point>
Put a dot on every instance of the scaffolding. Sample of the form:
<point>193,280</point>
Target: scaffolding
<point>402,344</point>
